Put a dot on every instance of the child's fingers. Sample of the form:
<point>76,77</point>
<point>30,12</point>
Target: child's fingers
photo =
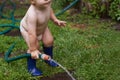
<point>35,54</point>
<point>59,24</point>
<point>63,23</point>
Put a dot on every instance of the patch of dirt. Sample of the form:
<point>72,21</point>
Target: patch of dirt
<point>20,16</point>
<point>116,26</point>
<point>58,76</point>
<point>1,55</point>
<point>79,26</point>
<point>13,33</point>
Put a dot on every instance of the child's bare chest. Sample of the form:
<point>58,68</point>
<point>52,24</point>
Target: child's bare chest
<point>43,17</point>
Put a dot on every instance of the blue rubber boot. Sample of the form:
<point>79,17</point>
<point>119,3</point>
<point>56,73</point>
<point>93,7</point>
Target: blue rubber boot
<point>31,65</point>
<point>49,51</point>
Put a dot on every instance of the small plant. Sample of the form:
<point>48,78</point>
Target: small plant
<point>115,10</point>
<point>98,8</point>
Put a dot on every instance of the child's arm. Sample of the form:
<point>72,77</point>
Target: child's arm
<point>52,16</point>
<point>33,42</point>
<point>55,20</point>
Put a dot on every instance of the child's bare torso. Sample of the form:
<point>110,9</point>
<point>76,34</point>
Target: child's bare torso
<point>41,19</point>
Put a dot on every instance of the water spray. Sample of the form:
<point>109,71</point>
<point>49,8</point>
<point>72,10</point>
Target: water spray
<point>64,69</point>
<point>46,57</point>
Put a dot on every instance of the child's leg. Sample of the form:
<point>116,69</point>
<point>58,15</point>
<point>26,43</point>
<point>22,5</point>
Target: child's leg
<point>47,39</point>
<point>31,63</point>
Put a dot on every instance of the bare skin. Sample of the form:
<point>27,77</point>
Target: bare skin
<point>34,25</point>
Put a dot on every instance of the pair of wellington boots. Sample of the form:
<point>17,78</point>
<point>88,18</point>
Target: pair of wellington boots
<point>31,63</point>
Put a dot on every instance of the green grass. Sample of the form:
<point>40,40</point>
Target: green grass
<point>92,53</point>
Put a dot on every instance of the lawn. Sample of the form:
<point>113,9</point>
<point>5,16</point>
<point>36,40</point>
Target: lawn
<point>88,47</point>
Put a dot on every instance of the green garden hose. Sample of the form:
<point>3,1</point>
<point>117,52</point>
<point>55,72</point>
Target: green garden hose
<point>12,25</point>
<point>12,12</point>
<point>25,55</point>
<point>66,8</point>
<point>6,31</point>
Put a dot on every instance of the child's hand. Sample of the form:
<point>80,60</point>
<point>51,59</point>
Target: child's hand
<point>35,54</point>
<point>60,23</point>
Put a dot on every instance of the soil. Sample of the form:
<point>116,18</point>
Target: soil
<point>13,33</point>
<point>1,55</point>
<point>116,26</point>
<point>59,76</point>
<point>79,26</point>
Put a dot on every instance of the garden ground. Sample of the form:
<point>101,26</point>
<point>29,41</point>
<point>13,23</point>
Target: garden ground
<point>88,47</point>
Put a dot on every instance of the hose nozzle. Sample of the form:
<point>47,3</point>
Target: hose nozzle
<point>45,57</point>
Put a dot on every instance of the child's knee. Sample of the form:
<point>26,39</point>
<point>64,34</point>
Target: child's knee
<point>48,42</point>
